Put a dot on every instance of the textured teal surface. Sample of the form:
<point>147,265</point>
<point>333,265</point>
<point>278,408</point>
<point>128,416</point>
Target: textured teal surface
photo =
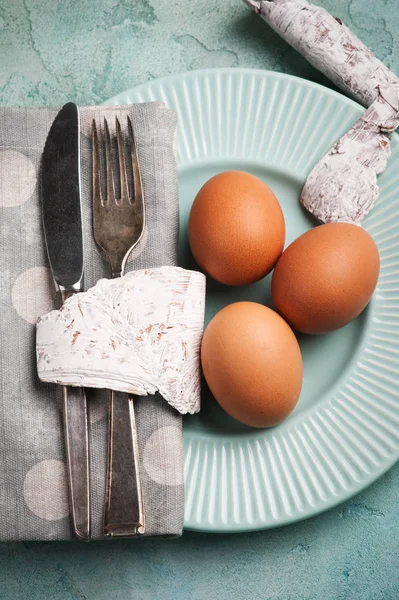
<point>53,51</point>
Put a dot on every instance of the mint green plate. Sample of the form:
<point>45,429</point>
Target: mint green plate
<point>344,431</point>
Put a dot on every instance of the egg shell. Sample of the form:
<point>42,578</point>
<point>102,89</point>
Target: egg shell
<point>236,228</point>
<point>252,363</point>
<point>326,277</point>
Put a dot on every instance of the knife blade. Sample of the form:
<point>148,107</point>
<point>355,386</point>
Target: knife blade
<point>62,224</point>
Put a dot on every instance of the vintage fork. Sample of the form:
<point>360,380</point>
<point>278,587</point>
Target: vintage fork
<point>118,227</point>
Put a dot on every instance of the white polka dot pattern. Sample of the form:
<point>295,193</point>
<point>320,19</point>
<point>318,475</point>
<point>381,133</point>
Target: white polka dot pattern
<point>17,178</point>
<point>33,294</point>
<point>162,457</point>
<point>45,490</point>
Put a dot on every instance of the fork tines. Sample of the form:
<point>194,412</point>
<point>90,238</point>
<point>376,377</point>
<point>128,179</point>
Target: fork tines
<point>118,219</point>
<point>103,139</point>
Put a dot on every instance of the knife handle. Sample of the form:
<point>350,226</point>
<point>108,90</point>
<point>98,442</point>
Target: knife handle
<point>78,459</point>
<point>124,514</point>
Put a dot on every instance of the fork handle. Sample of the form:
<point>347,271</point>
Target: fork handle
<point>124,514</point>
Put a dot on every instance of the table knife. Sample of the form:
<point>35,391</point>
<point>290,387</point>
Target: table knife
<point>62,223</point>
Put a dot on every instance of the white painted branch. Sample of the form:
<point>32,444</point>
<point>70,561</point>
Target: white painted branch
<point>343,185</point>
<point>140,333</point>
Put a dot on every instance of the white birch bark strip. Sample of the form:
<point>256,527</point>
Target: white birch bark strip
<point>329,46</point>
<point>140,334</point>
<point>343,185</point>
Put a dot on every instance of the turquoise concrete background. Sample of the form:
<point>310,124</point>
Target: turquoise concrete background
<point>53,51</point>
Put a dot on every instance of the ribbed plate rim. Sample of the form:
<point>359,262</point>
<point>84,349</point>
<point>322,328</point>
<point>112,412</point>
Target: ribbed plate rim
<point>148,91</point>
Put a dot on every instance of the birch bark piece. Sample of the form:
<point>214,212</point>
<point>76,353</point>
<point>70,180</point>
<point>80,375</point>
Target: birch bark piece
<point>140,334</point>
<point>329,45</point>
<point>343,185</point>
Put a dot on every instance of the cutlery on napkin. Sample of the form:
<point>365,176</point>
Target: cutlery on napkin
<point>33,482</point>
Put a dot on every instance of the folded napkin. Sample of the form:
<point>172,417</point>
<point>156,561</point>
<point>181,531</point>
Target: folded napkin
<point>33,487</point>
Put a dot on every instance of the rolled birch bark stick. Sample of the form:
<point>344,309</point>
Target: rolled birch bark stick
<point>343,185</point>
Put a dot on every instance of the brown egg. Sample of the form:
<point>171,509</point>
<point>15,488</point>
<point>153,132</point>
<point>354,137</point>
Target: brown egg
<point>326,277</point>
<point>252,363</point>
<point>236,228</point>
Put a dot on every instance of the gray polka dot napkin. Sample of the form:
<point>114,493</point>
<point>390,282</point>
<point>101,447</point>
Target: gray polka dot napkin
<point>33,489</point>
